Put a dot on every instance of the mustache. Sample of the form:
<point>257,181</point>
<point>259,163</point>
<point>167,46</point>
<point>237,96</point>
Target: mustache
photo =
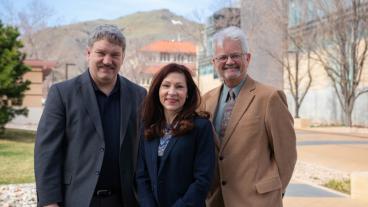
<point>109,66</point>
<point>231,66</point>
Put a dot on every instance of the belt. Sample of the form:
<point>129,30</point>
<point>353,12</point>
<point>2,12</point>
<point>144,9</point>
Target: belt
<point>103,193</point>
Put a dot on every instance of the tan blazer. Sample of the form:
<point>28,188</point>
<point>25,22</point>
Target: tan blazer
<point>257,156</point>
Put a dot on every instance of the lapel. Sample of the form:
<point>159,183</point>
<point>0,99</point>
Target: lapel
<point>125,107</point>
<point>152,149</point>
<point>243,101</point>
<point>167,152</point>
<point>211,107</point>
<point>212,101</point>
<point>90,102</point>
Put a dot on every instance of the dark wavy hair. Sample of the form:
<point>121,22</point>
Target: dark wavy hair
<point>153,112</point>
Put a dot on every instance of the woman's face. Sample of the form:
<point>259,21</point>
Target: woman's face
<point>173,93</point>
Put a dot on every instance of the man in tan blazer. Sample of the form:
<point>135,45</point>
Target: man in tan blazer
<point>257,147</point>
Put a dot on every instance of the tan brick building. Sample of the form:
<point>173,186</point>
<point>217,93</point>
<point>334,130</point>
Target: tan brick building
<point>38,90</point>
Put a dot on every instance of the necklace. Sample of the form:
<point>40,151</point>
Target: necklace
<point>164,140</point>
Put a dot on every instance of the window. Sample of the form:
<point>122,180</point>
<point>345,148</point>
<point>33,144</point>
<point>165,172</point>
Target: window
<point>164,57</point>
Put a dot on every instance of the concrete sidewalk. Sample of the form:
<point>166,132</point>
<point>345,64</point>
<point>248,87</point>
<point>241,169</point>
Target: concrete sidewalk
<point>335,148</point>
<point>301,194</point>
<point>339,148</point>
<point>353,131</point>
<point>32,127</point>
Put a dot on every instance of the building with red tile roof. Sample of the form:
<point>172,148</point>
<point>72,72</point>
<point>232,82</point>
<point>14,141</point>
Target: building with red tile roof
<point>159,53</point>
<point>170,47</point>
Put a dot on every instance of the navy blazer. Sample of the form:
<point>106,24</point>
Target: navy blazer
<point>185,172</point>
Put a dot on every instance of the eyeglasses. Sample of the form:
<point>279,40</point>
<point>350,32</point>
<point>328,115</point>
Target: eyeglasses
<point>234,57</point>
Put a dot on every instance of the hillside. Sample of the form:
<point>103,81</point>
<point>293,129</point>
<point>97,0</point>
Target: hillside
<point>66,44</point>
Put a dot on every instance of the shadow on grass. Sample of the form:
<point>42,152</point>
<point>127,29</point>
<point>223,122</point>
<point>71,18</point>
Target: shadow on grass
<point>18,135</point>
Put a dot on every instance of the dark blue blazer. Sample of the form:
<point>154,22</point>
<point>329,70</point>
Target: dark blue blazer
<point>185,172</point>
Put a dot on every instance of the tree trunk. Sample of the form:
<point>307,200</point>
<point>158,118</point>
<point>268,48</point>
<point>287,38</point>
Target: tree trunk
<point>297,107</point>
<point>348,116</point>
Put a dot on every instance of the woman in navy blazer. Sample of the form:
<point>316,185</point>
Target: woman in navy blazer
<point>176,158</point>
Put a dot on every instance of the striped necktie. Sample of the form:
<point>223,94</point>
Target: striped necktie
<point>230,102</point>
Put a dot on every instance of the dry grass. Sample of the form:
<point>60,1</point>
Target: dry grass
<point>16,156</point>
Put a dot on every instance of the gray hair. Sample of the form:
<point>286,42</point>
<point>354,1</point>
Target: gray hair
<point>232,32</point>
<point>108,32</point>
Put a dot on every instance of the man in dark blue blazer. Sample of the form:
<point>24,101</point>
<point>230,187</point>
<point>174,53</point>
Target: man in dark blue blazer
<point>87,138</point>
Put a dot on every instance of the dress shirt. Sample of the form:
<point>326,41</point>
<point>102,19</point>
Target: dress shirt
<point>222,102</point>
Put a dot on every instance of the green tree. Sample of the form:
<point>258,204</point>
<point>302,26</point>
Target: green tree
<point>12,69</point>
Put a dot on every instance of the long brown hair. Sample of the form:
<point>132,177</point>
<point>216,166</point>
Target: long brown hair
<point>153,112</point>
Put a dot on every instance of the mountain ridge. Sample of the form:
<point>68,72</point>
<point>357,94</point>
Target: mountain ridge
<point>66,44</point>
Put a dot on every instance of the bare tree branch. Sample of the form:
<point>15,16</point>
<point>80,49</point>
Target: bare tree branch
<point>342,47</point>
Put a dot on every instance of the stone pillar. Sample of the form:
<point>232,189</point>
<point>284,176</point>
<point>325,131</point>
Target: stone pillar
<point>359,185</point>
<point>265,23</point>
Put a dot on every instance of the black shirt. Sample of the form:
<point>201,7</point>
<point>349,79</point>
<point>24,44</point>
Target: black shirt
<point>109,108</point>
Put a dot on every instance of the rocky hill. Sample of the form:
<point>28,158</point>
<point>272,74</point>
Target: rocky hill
<point>66,44</point>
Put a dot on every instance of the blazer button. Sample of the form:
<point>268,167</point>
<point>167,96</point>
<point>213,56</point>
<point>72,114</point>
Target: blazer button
<point>221,158</point>
<point>102,149</point>
<point>223,182</point>
<point>97,172</point>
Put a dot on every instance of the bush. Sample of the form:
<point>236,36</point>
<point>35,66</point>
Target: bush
<point>339,185</point>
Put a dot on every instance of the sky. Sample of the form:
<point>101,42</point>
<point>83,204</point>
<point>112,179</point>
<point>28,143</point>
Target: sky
<point>71,11</point>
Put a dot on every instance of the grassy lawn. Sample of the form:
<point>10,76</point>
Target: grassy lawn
<point>16,156</point>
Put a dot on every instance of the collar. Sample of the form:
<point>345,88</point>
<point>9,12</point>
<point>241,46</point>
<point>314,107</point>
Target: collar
<point>96,89</point>
<point>236,89</point>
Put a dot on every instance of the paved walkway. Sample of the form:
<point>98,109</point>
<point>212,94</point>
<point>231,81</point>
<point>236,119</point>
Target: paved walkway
<point>352,132</point>
<point>300,194</point>
<point>337,148</point>
<point>32,127</point>
<point>339,151</point>
<point>302,189</point>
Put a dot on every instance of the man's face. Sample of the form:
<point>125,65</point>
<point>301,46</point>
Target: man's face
<point>104,61</point>
<point>231,62</point>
